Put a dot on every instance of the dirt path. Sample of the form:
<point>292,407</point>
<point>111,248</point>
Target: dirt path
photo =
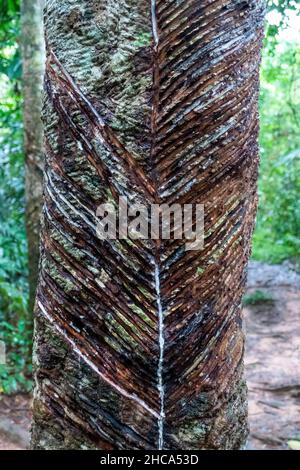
<point>273,356</point>
<point>272,317</point>
<point>15,416</point>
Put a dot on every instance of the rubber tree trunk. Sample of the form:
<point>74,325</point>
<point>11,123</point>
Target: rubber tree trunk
<point>33,58</point>
<point>140,344</point>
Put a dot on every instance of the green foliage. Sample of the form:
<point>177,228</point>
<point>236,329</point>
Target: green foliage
<point>282,6</point>
<point>15,375</point>
<point>258,297</point>
<point>15,326</point>
<point>10,57</point>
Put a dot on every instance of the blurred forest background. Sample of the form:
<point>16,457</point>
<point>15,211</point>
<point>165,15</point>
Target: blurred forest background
<point>277,236</point>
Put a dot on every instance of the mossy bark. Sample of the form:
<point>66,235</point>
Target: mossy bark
<point>156,101</point>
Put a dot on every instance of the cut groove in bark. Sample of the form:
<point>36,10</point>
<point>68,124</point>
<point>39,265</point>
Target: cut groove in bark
<point>139,344</point>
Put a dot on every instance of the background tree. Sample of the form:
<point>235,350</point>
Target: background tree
<point>140,344</point>
<point>15,322</point>
<point>32,43</point>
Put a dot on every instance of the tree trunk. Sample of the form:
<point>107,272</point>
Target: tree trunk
<point>139,344</point>
<point>33,54</point>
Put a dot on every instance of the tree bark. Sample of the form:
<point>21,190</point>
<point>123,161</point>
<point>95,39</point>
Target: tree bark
<point>140,344</point>
<point>33,56</point>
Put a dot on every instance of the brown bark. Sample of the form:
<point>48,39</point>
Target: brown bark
<point>157,101</point>
<point>32,44</point>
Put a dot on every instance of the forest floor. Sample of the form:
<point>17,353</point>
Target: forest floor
<point>272,365</point>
